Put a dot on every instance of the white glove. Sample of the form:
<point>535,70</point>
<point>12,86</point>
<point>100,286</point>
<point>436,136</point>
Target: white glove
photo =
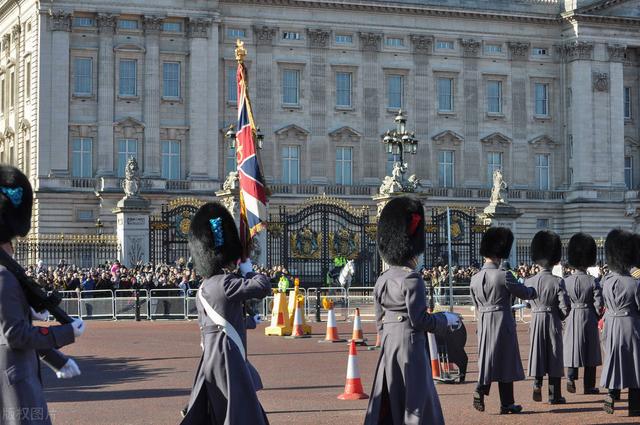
<point>518,306</point>
<point>258,319</point>
<point>453,320</point>
<point>42,316</point>
<point>78,327</point>
<point>69,370</point>
<point>246,267</point>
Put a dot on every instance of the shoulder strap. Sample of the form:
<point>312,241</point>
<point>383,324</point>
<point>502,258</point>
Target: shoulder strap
<point>227,327</point>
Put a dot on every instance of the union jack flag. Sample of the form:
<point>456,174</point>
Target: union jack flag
<point>253,197</point>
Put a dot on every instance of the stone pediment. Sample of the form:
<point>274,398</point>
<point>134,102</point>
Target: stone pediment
<point>448,137</point>
<point>543,141</point>
<point>128,122</point>
<point>292,132</point>
<point>496,139</point>
<point>345,134</point>
<point>612,8</point>
<point>8,133</point>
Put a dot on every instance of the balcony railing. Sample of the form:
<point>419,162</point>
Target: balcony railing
<point>177,185</point>
<point>83,183</point>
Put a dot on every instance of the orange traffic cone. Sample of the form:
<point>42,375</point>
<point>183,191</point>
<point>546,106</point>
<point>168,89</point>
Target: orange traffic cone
<point>353,388</point>
<point>378,343</point>
<point>298,331</point>
<point>358,336</point>
<point>433,353</point>
<point>332,329</point>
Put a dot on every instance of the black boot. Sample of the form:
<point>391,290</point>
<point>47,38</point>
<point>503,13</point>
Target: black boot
<point>609,402</point>
<point>537,389</point>
<point>572,375</point>
<point>634,402</point>
<point>590,380</point>
<point>555,391</point>
<point>478,397</point>
<point>512,408</point>
<point>507,404</point>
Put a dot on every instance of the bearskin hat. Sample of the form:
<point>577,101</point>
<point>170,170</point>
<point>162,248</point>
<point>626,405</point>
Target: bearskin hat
<point>496,242</point>
<point>213,240</point>
<point>636,249</point>
<point>546,249</point>
<point>401,231</point>
<point>619,248</point>
<point>582,251</point>
<point>16,201</point>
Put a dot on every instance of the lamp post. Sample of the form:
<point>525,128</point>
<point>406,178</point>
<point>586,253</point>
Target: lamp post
<point>230,134</point>
<point>400,142</point>
<point>99,227</point>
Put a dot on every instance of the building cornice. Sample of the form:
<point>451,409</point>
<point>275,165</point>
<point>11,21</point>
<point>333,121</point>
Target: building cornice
<point>573,17</point>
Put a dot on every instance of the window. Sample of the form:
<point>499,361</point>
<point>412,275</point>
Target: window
<point>395,91</point>
<point>494,163</point>
<point>290,35</point>
<point>344,39</point>
<point>542,99</point>
<point>128,24</point>
<point>83,76</point>
<point>493,48</point>
<point>170,160</point>
<point>570,146</point>
<point>542,223</point>
<point>343,89</point>
<point>569,97</point>
<point>84,215</point>
<point>127,148</point>
<point>230,160</point>
<point>172,26</point>
<point>446,168</point>
<point>628,172</point>
<point>394,42</point>
<point>27,79</point>
<point>291,87</point>
<point>627,103</point>
<point>171,79</point>
<point>128,74</point>
<point>542,171</point>
<point>232,85</point>
<point>3,94</point>
<point>291,164</point>
<point>539,51</point>
<point>236,33</point>
<point>494,97</point>
<point>12,89</point>
<point>444,45</point>
<point>83,21</point>
<point>343,166</point>
<point>81,158</point>
<point>445,94</point>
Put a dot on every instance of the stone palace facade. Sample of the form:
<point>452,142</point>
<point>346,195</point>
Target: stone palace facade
<point>545,90</point>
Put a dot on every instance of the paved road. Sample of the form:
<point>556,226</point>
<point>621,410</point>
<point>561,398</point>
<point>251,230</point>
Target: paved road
<point>140,373</point>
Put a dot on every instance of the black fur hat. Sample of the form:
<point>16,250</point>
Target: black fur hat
<point>582,251</point>
<point>16,201</point>
<point>401,231</point>
<point>546,249</point>
<point>496,242</point>
<point>636,248</point>
<point>619,248</point>
<point>213,252</point>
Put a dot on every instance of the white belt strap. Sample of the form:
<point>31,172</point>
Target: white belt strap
<point>227,327</point>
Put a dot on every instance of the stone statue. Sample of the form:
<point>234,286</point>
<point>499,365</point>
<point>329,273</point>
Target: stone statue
<point>394,183</point>
<point>131,183</point>
<point>499,190</point>
<point>413,184</point>
<point>231,182</point>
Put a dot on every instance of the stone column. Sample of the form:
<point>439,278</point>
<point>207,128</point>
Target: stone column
<point>198,111</point>
<point>132,228</point>
<point>422,48</point>
<point>152,97</point>
<point>472,148</point>
<point>371,146</point>
<point>318,154</point>
<point>104,146</point>
<point>615,128</point>
<point>58,133</point>
<point>519,80</point>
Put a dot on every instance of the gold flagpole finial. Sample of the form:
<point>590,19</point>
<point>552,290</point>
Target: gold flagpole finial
<point>241,52</point>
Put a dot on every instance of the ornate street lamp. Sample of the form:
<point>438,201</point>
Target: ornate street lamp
<point>230,134</point>
<point>400,142</point>
<point>99,227</point>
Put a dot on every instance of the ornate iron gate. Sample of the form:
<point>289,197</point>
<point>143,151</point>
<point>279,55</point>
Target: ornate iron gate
<point>168,232</point>
<point>307,240</point>
<point>465,238</point>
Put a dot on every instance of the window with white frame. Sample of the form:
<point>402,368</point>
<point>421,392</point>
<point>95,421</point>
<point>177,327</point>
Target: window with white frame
<point>82,157</point>
<point>494,163</point>
<point>493,49</point>
<point>344,39</point>
<point>444,45</point>
<point>170,160</point>
<point>446,168</point>
<point>569,97</point>
<point>27,79</point>
<point>83,21</point>
<point>236,33</point>
<point>542,223</point>
<point>12,89</point>
<point>128,77</point>
<point>290,87</point>
<point>172,26</point>
<point>83,76</point>
<point>291,35</point>
<point>343,89</point>
<point>230,160</point>
<point>128,24</point>
<point>232,85</point>
<point>171,79</point>
<point>445,94</point>
<point>395,91</point>
<point>394,42</point>
<point>539,51</point>
<point>627,103</point>
<point>3,94</point>
<point>290,164</point>
<point>343,166</point>
<point>84,215</point>
<point>494,96</point>
<point>542,99</point>
<point>542,171</point>
<point>628,172</point>
<point>127,148</point>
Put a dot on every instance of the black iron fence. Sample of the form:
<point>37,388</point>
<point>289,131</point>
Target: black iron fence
<point>80,250</point>
<point>523,251</point>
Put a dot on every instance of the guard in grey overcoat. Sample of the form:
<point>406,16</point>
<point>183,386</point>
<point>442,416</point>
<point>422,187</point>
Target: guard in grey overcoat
<point>403,390</point>
<point>22,399</point>
<point>621,294</point>
<point>224,391</point>
<point>581,337</point>
<point>491,291</point>
<point>550,307</point>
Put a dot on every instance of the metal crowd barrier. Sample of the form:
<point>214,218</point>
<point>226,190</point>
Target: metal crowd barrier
<point>190,302</point>
<point>96,304</point>
<point>361,297</point>
<point>167,304</point>
<point>125,303</point>
<point>337,294</point>
<point>69,303</point>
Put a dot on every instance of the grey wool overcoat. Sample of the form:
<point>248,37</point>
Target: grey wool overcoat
<point>498,351</point>
<point>581,337</point>
<point>403,390</point>
<point>548,309</point>
<point>22,399</point>
<point>224,392</point>
<point>621,368</point>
